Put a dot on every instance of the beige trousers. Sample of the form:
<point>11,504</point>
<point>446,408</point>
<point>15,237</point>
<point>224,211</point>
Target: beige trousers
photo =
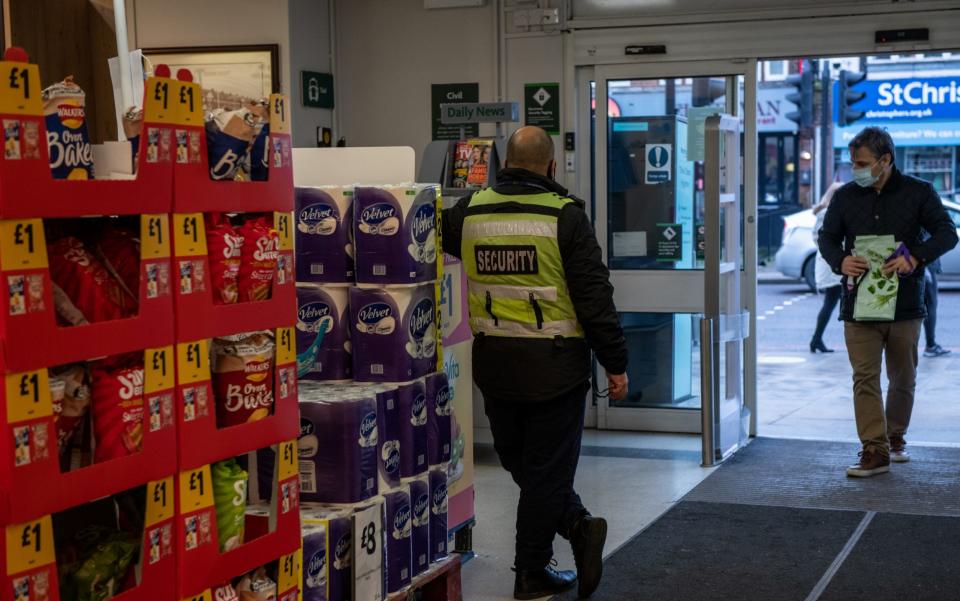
<point>867,342</point>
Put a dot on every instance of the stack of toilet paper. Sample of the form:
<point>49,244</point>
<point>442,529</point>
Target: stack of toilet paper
<point>343,551</point>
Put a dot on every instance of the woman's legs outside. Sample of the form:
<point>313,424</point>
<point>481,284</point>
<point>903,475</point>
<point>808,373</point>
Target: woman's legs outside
<point>831,296</point>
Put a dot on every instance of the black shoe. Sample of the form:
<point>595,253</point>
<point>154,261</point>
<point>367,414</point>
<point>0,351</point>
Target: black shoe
<point>818,345</point>
<point>533,584</point>
<point>587,538</point>
<point>935,351</point>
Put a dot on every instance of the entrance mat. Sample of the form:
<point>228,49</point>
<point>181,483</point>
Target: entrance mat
<point>811,474</point>
<point>721,551</point>
<point>901,557</point>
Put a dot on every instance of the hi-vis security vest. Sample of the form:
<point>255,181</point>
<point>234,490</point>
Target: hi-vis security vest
<point>517,284</point>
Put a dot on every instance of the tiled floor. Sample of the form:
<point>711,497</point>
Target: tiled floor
<point>630,492</point>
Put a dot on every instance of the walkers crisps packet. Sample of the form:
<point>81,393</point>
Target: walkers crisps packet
<point>243,367</point>
<point>71,156</point>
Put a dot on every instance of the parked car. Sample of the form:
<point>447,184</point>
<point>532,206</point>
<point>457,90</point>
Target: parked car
<point>795,259</point>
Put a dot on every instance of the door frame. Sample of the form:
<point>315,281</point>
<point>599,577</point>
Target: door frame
<point>690,283</point>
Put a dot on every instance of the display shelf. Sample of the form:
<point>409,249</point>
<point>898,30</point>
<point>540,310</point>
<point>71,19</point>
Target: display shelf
<point>193,188</point>
<point>439,583</point>
<point>197,314</point>
<point>29,555</point>
<point>31,336</point>
<point>27,187</point>
<point>30,466</point>
<point>203,566</point>
<point>200,440</point>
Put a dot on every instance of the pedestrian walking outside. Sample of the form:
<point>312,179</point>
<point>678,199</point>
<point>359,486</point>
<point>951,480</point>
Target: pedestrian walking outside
<point>879,205</point>
<point>827,282</point>
<point>931,293</point>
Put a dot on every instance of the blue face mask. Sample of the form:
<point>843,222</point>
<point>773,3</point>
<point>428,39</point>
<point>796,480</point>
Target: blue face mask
<point>865,177</point>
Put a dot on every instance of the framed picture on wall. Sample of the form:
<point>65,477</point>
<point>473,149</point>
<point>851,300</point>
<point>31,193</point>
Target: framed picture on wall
<point>228,75</point>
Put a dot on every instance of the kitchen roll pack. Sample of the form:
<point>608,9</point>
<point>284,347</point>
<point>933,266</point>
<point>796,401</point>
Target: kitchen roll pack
<point>324,235</point>
<point>420,520</point>
<point>394,334</point>
<point>323,332</point>
<point>395,229</point>
<point>439,412</point>
<point>398,546</point>
<point>438,513</point>
<point>412,402</point>
<point>337,444</point>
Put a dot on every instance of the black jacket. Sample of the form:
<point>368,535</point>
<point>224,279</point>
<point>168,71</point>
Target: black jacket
<point>906,207</point>
<point>525,369</point>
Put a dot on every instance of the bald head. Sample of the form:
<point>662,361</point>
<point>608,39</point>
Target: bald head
<point>530,148</point>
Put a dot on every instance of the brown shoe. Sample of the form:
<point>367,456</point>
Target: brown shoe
<point>871,463</point>
<point>898,449</point>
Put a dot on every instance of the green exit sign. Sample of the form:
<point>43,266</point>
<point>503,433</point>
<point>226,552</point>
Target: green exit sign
<point>316,89</point>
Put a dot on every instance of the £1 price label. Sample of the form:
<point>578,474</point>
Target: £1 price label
<point>159,501</point>
<point>286,346</point>
<point>158,369</point>
<point>154,236</point>
<point>204,596</point>
<point>28,396</point>
<point>287,452</point>
<point>279,114</point>
<point>193,361</point>
<point>281,223</point>
<point>190,101</point>
<point>22,245</point>
<point>160,101</point>
<point>289,572</point>
<point>195,489</point>
<point>20,89</point>
<point>189,235</point>
<point>29,545</point>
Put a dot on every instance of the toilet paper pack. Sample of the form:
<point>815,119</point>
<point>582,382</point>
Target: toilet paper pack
<point>420,519</point>
<point>324,234</point>
<point>412,401</point>
<point>394,333</point>
<point>323,332</point>
<point>439,414</point>
<point>399,526</point>
<point>438,513</point>
<point>337,446</point>
<point>395,229</point>
<point>327,554</point>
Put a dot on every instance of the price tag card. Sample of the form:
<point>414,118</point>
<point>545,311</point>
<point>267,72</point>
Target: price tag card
<point>286,346</point>
<point>154,236</point>
<point>29,545</point>
<point>159,501</point>
<point>189,235</point>
<point>20,89</point>
<point>289,573</point>
<point>22,245</point>
<point>287,452</point>
<point>204,596</point>
<point>158,369</point>
<point>159,100</point>
<point>279,114</point>
<point>281,222</point>
<point>193,361</point>
<point>28,396</point>
<point>195,489</point>
<point>190,103</point>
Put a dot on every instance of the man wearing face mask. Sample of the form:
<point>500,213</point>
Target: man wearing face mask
<point>540,300</point>
<point>883,201</point>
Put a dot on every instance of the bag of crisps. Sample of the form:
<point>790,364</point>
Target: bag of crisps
<point>258,259</point>
<point>224,246</point>
<point>86,282</point>
<point>117,407</point>
<point>71,156</point>
<point>243,370</point>
<point>230,502</point>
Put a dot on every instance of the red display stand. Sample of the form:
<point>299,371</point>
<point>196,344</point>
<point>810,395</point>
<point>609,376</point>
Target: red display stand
<point>27,188</point>
<point>202,564</point>
<point>29,557</point>
<point>31,482</point>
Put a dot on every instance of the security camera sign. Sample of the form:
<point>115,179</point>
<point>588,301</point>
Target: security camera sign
<point>659,161</point>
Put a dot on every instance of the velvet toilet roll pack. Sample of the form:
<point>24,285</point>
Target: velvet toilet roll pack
<point>327,565</point>
<point>394,333</point>
<point>439,412</point>
<point>324,234</point>
<point>395,233</point>
<point>438,513</point>
<point>412,403</point>
<point>398,522</point>
<point>420,519</point>
<point>337,445</point>
<point>323,332</point>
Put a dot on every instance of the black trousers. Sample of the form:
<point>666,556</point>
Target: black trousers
<point>831,296</point>
<point>930,293</point>
<point>539,444</point>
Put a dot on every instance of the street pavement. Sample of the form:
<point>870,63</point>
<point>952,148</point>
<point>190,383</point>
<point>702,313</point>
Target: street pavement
<point>802,395</point>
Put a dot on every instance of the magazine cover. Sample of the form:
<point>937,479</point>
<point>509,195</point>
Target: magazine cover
<point>461,164</point>
<point>480,151</point>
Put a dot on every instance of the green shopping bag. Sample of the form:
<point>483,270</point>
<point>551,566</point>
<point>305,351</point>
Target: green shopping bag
<point>876,292</point>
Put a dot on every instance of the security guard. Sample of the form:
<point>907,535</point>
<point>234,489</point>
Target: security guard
<point>540,299</point>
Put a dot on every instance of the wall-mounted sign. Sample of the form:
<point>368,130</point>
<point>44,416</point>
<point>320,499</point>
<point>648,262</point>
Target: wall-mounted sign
<point>541,106</point>
<point>449,93</point>
<point>316,89</point>
<point>669,242</point>
<point>659,162</point>
<point>479,112</point>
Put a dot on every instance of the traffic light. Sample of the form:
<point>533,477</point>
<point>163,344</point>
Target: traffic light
<point>803,97</point>
<point>847,97</point>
